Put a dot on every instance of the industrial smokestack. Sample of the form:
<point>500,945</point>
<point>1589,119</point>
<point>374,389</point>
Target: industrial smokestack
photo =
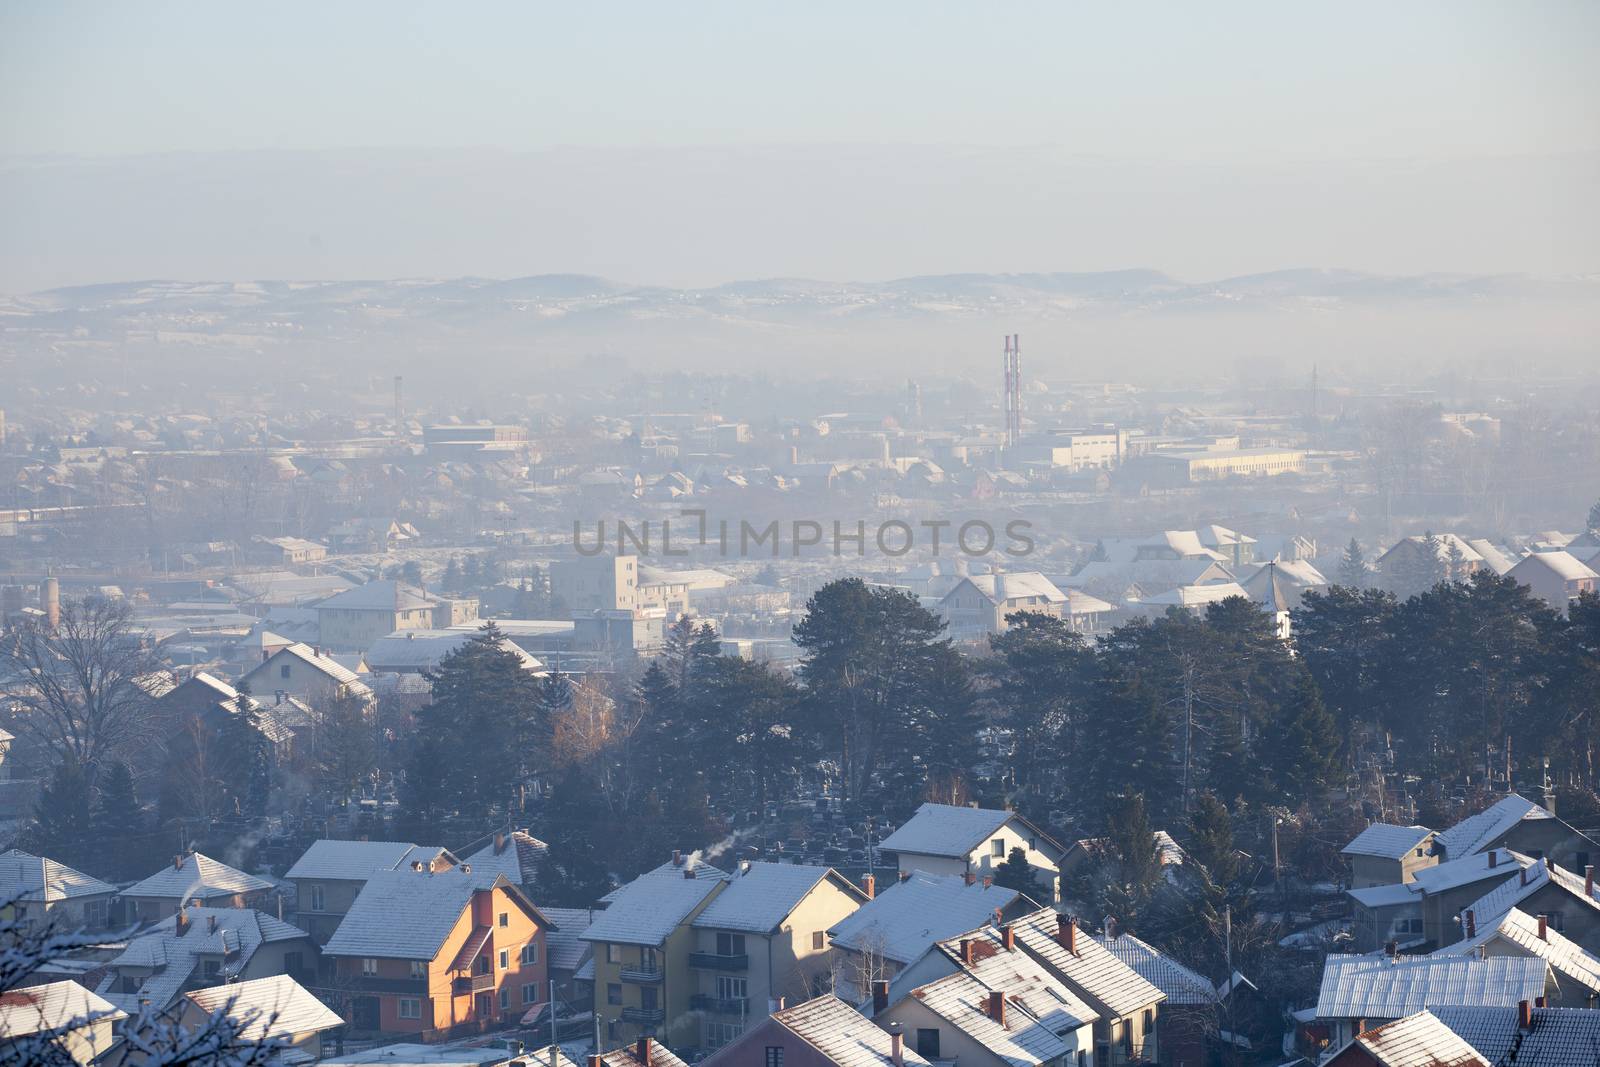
<point>51,597</point>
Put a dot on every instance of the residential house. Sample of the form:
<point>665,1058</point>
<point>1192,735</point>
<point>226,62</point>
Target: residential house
<point>1527,1034</point>
<point>643,1052</point>
<point>353,620</point>
<point>517,855</point>
<point>1457,559</point>
<point>977,607</point>
<point>371,535</point>
<point>1518,824</point>
<point>1234,547</point>
<point>439,953</point>
<point>41,890</point>
<point>416,651</point>
<point>1126,1005</point>
<point>78,1023</point>
<point>823,1032</point>
<point>1359,992</point>
<point>276,1007</point>
<point>895,929</point>
<point>330,874</point>
<point>1188,1016</point>
<point>307,673</point>
<point>1557,578</point>
<point>642,945</point>
<point>763,940</point>
<point>1517,933</point>
<point>1567,902</point>
<point>997,1008</point>
<point>1414,1041</point>
<point>193,878</point>
<point>287,551</point>
<point>947,839</point>
<point>208,699</point>
<point>1449,887</point>
<point>200,947</point>
<point>1386,914</point>
<point>1385,854</point>
<point>568,953</point>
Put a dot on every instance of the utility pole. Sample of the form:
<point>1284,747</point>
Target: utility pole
<point>1227,948</point>
<point>555,1050</point>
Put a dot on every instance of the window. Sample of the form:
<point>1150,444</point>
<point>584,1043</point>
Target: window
<point>505,999</point>
<point>369,967</point>
<point>613,993</point>
<point>530,954</point>
<point>505,958</point>
<point>316,898</point>
<point>719,1034</point>
<point>419,968</point>
<point>730,944</point>
<point>530,993</point>
<point>505,918</point>
<point>481,965</point>
<point>1083,1058</point>
<point>729,988</point>
<point>818,941</point>
<point>1149,1021</point>
<point>283,671</point>
<point>997,848</point>
<point>774,1056</point>
<point>649,998</point>
<point>928,1043</point>
<point>613,954</point>
<point>213,968</point>
<point>409,1008</point>
<point>647,959</point>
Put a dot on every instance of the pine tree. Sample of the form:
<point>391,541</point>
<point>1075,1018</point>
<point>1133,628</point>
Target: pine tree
<point>63,827</point>
<point>1594,519</point>
<point>1134,863</point>
<point>1211,839</point>
<point>1017,873</point>
<point>1353,570</point>
<point>573,872</point>
<point>119,822</point>
<point>246,757</point>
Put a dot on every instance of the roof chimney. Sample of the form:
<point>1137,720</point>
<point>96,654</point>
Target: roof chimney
<point>897,1046</point>
<point>1522,876</point>
<point>1544,927</point>
<point>1391,949</point>
<point>970,877</point>
<point>1524,1015</point>
<point>177,863</point>
<point>1472,924</point>
<point>997,1007</point>
<point>677,857</point>
<point>1008,937</point>
<point>1492,859</point>
<point>596,1061</point>
<point>1540,1002</point>
<point>211,924</point>
<point>688,872</point>
<point>869,886</point>
<point>1588,880</point>
<point>905,876</point>
<point>988,880</point>
<point>880,997</point>
<point>1067,933</point>
<point>180,921</point>
<point>416,865</point>
<point>643,1053</point>
<point>499,843</point>
<point>966,951</point>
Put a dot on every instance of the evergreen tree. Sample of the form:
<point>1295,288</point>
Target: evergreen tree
<point>573,872</point>
<point>63,826</point>
<point>119,823</point>
<point>1593,524</point>
<point>1353,569</point>
<point>1211,839</point>
<point>451,582</point>
<point>1017,873</point>
<point>1042,666</point>
<point>1134,862</point>
<point>1301,744</point>
<point>246,757</point>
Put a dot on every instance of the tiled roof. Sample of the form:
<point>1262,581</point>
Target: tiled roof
<point>761,896</point>
<point>1488,909</point>
<point>907,917</point>
<point>1180,984</point>
<point>198,877</point>
<point>405,914</point>
<point>563,943</point>
<point>675,869</point>
<point>1474,867</point>
<point>1023,1040</point>
<point>1558,1037</point>
<point>237,934</point>
<point>518,860</point>
<point>945,830</point>
<point>650,907</point>
<point>660,1056</point>
<point>541,1057</point>
<point>843,1035</point>
<point>1090,969</point>
<point>50,1007</point>
<point>1387,841</point>
<point>276,1006</point>
<point>386,595</point>
<point>1419,1040</point>
<point>24,876</point>
<point>1378,987</point>
<point>353,861</point>
<point>1520,930</point>
<point>1475,832</point>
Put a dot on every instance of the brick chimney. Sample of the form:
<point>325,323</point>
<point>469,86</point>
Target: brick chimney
<point>1544,928</point>
<point>1472,924</point>
<point>966,951</point>
<point>1008,937</point>
<point>996,1008</point>
<point>677,858</point>
<point>897,1046</point>
<point>880,997</point>
<point>988,880</point>
<point>177,863</point>
<point>1524,1015</point>
<point>1540,1002</point>
<point>1067,933</point>
<point>1588,880</point>
<point>1391,949</point>
<point>970,878</point>
<point>180,921</point>
<point>643,1051</point>
<point>869,886</point>
<point>596,1061</point>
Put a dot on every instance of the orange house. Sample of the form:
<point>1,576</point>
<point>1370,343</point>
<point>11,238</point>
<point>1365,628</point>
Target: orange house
<point>440,954</point>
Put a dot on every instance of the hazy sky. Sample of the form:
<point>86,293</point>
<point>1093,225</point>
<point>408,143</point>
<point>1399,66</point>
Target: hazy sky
<point>1379,99</point>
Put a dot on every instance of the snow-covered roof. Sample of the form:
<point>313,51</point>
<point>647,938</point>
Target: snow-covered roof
<point>1180,984</point>
<point>1556,1037</point>
<point>517,856</point>
<point>1191,595</point>
<point>1028,1036</point>
<point>1563,565</point>
<point>1214,536</point>
<point>1019,585</point>
<point>841,1034</point>
<point>24,876</point>
<point>276,1006</point>
<point>627,1056</point>
<point>1387,841</point>
<point>419,650</point>
<point>649,908</point>
<point>52,1007</point>
<point>563,943</point>
<point>407,914</point>
<point>1475,832</point>
<point>1452,874</point>
<point>1488,909</point>
<point>356,861</point>
<point>1520,931</point>
<point>760,896</point>
<point>231,935</point>
<point>385,595</point>
<point>946,830</point>
<point>674,868</point>
<point>1386,896</point>
<point>196,877</point>
<point>902,921</point>
<point>1380,987</point>
<point>1418,1040</point>
<point>1101,976</point>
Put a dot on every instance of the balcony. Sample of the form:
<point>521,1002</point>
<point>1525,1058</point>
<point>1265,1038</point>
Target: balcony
<point>478,983</point>
<point>642,975</point>
<point>711,961</point>
<point>739,1006</point>
<point>405,986</point>
<point>644,1016</point>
